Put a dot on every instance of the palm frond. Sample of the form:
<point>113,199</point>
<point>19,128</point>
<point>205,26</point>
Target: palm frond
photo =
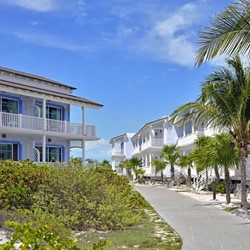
<point>229,33</point>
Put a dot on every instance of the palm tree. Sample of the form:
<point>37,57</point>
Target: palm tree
<point>159,166</point>
<point>170,154</point>
<point>187,161</point>
<point>224,104</point>
<point>203,158</point>
<point>136,165</point>
<point>229,33</point>
<point>226,156</point>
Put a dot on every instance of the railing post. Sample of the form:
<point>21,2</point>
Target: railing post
<point>20,120</point>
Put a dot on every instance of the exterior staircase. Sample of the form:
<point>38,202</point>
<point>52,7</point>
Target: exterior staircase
<point>202,180</point>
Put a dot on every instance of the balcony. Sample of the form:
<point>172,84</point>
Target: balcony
<point>189,139</point>
<point>118,153</point>
<point>32,124</point>
<point>152,143</point>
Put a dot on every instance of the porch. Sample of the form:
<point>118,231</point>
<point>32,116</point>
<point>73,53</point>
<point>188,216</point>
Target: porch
<point>33,125</point>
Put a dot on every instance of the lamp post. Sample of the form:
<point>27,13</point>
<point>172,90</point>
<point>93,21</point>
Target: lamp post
<point>214,189</point>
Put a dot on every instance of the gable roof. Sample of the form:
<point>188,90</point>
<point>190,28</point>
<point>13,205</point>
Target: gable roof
<point>5,85</point>
<point>35,77</point>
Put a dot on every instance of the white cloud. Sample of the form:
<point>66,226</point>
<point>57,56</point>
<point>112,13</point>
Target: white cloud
<point>50,41</point>
<point>171,39</point>
<point>36,5</point>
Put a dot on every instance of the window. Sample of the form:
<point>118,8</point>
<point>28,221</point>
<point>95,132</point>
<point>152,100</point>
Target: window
<point>8,151</point>
<point>54,113</point>
<point>52,154</point>
<point>9,105</point>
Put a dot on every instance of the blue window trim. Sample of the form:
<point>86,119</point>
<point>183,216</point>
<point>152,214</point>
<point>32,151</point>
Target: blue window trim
<point>19,99</point>
<point>20,148</point>
<point>51,104</point>
<point>54,145</point>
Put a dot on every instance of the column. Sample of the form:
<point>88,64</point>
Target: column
<point>44,148</point>
<point>44,115</point>
<point>83,151</point>
<point>165,133</point>
<point>125,146</point>
<point>83,121</point>
<point>150,160</point>
<point>193,130</point>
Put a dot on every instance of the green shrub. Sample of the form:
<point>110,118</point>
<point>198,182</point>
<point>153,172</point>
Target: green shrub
<point>220,187</point>
<point>28,236</point>
<point>19,181</point>
<point>71,196</point>
<point>82,199</point>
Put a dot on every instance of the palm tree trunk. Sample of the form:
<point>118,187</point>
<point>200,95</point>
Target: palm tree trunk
<point>216,171</point>
<point>206,183</point>
<point>244,203</point>
<point>189,177</point>
<point>227,185</point>
<point>162,178</point>
<point>172,175</point>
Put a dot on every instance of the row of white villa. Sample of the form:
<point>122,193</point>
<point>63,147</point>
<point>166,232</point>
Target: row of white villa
<point>148,142</point>
<point>35,118</point>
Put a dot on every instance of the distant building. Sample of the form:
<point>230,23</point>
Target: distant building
<point>122,149</point>
<point>35,118</point>
<point>148,143</point>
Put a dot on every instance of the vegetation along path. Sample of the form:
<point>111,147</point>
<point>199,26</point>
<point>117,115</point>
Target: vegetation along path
<point>200,225</point>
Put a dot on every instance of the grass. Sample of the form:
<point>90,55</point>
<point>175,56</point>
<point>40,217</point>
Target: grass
<point>230,209</point>
<point>151,233</point>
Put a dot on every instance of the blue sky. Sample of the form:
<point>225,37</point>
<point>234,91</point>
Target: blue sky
<point>134,57</point>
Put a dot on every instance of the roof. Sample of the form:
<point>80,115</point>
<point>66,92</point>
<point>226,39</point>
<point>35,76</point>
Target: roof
<point>163,118</point>
<point>125,134</point>
<point>23,74</point>
<point>40,91</point>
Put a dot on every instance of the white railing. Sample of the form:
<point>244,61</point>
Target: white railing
<point>202,180</point>
<point>189,139</point>
<point>18,121</point>
<point>118,153</point>
<point>153,143</point>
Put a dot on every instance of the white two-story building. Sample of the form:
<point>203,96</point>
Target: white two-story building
<point>35,118</point>
<point>148,143</point>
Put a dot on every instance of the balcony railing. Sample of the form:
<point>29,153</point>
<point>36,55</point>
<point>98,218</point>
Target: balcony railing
<point>18,121</point>
<point>189,139</point>
<point>156,143</point>
<point>118,153</point>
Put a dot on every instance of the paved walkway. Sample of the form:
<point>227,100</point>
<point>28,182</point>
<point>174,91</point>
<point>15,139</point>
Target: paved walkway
<point>200,225</point>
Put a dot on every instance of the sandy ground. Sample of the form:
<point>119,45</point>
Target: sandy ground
<point>205,196</point>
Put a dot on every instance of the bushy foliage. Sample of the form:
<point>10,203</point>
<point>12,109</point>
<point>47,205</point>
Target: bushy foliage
<point>28,236</point>
<point>19,181</point>
<point>71,196</point>
<point>220,187</point>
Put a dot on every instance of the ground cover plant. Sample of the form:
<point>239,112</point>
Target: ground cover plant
<point>69,199</point>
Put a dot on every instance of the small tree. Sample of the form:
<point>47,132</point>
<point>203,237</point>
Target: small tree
<point>159,166</point>
<point>187,161</point>
<point>227,156</point>
<point>135,164</point>
<point>170,154</point>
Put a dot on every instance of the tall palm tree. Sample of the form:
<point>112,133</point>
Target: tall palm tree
<point>229,33</point>
<point>171,154</point>
<point>159,167</point>
<point>226,157</point>
<point>224,104</point>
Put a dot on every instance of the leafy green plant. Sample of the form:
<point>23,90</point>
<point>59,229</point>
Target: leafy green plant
<point>27,236</point>
<point>220,187</point>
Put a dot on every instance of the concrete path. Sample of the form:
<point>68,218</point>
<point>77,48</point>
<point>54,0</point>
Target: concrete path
<point>200,225</point>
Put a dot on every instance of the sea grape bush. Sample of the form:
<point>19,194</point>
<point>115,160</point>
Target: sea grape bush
<point>70,196</point>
